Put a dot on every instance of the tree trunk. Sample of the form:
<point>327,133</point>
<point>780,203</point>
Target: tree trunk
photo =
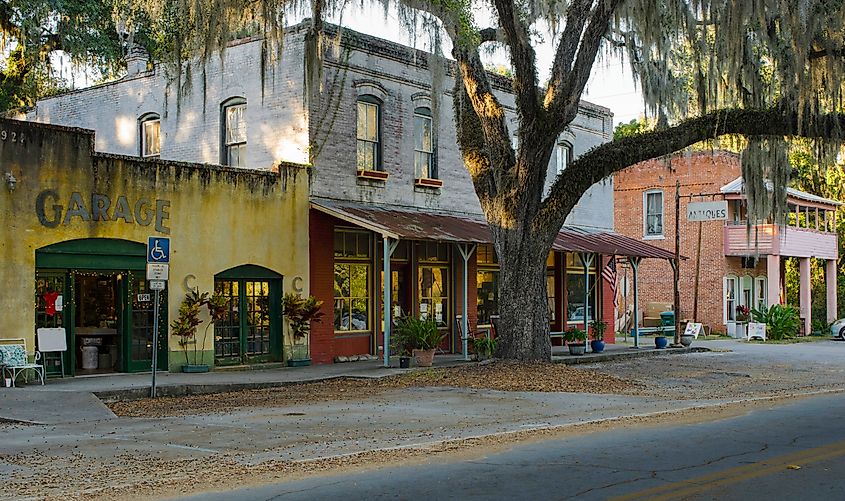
<point>523,302</point>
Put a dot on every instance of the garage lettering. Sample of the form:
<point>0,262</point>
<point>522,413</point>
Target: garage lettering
<point>101,208</point>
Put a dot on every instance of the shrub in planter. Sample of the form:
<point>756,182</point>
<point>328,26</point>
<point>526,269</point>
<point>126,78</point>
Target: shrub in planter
<point>484,347</point>
<point>597,327</point>
<point>184,326</point>
<point>782,321</point>
<point>419,336</point>
<point>576,340</point>
<point>300,313</point>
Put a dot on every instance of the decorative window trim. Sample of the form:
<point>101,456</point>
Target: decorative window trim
<point>374,88</point>
<point>142,121</point>
<point>562,145</point>
<point>421,100</point>
<point>655,236</point>
<point>427,182</point>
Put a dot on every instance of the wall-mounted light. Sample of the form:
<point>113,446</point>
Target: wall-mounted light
<point>11,182</point>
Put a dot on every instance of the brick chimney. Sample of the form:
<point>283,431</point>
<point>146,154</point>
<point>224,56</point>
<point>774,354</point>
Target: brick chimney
<point>136,60</point>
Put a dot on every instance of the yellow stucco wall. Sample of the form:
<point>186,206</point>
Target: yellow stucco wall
<point>219,218</point>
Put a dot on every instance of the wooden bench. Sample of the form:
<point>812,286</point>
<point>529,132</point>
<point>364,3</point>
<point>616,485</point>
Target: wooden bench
<point>13,359</point>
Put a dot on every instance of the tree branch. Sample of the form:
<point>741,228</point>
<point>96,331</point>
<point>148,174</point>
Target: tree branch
<point>602,161</point>
<point>516,36</point>
<point>565,98</point>
<point>576,18</point>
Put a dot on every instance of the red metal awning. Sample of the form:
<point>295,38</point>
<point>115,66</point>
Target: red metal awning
<point>413,224</point>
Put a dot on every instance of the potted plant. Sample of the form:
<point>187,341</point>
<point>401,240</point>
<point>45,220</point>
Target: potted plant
<point>184,326</point>
<point>743,314</point>
<point>299,313</point>
<point>660,340</point>
<point>598,327</point>
<point>484,347</point>
<point>576,340</point>
<point>421,337</point>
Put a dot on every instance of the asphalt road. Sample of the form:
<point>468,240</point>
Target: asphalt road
<point>793,451</point>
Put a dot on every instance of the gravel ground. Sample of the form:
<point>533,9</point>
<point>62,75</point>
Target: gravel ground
<point>499,375</point>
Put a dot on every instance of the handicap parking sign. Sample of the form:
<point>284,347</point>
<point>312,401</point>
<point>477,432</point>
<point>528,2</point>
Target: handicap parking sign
<point>158,250</point>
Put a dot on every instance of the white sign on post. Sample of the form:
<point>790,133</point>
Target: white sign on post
<point>707,211</point>
<point>157,285</point>
<point>157,271</point>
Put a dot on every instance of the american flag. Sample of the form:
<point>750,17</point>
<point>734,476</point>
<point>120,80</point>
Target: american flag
<point>609,274</point>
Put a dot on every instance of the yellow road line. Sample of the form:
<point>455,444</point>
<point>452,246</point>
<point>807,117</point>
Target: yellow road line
<point>737,474</point>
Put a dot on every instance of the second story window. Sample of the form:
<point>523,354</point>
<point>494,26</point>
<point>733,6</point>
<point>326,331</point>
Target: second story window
<point>424,162</point>
<point>563,155</point>
<point>653,214</point>
<point>150,135</point>
<point>234,132</point>
<point>369,134</point>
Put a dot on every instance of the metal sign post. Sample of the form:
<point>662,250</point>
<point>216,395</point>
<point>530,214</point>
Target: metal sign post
<point>158,270</point>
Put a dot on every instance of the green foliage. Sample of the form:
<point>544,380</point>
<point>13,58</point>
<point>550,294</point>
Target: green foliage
<point>484,346</point>
<point>300,312</point>
<point>597,327</point>
<point>91,34</point>
<point>632,128</point>
<point>415,333</point>
<point>782,321</point>
<point>575,335</point>
<point>184,326</point>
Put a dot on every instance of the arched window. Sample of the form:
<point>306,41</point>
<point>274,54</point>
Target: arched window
<point>233,114</point>
<point>563,156</point>
<point>369,133</point>
<point>150,134</point>
<point>425,161</point>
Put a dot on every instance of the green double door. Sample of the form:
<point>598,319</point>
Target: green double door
<point>123,307</point>
<point>251,330</point>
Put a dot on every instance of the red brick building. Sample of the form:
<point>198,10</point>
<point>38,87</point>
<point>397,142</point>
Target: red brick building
<point>731,269</point>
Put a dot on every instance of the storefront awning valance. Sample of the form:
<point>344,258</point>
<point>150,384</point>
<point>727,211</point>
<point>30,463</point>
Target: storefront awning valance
<point>411,224</point>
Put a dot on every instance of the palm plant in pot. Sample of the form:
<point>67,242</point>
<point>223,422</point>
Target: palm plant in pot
<point>598,327</point>
<point>299,313</point>
<point>185,325</point>
<point>421,336</point>
<point>576,340</point>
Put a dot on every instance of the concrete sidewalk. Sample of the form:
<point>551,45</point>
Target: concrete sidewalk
<point>49,404</point>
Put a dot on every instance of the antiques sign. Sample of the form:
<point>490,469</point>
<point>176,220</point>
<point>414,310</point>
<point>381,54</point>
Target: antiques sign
<point>707,211</point>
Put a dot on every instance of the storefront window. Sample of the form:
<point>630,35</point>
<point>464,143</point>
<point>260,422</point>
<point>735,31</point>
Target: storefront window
<point>487,282</point>
<point>575,284</point>
<point>351,297</point>
<point>550,286</point>
<point>434,296</point>
<point>352,250</point>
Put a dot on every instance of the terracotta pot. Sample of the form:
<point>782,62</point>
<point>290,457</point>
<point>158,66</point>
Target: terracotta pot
<point>424,357</point>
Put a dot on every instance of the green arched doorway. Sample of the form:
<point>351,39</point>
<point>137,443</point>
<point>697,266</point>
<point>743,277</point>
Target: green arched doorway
<point>252,330</point>
<point>96,289</point>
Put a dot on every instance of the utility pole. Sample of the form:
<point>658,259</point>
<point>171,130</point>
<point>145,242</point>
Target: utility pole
<point>676,266</point>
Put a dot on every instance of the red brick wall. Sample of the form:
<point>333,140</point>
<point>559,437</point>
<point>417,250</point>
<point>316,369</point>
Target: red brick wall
<point>697,173</point>
<point>321,249</point>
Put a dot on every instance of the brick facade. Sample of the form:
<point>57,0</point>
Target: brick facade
<point>697,173</point>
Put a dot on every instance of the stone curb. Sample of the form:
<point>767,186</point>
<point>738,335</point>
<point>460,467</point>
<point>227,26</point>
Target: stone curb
<point>590,358</point>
